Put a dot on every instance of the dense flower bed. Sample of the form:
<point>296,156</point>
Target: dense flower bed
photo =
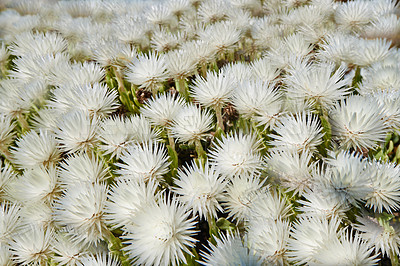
<point>214,132</point>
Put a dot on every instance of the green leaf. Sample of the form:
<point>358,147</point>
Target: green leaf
<point>224,224</point>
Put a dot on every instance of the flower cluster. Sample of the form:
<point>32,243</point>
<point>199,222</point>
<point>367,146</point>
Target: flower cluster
<point>212,132</point>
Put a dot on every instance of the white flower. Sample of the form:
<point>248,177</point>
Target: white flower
<point>200,50</point>
<point>213,10</point>
<point>237,72</point>
<point>32,247</point>
<point>81,209</point>
<point>355,124</point>
<point>78,74</point>
<point>159,14</point>
<point>318,83</point>
<point>229,250</point>
<point>98,259</point>
<point>148,71</point>
<point>125,199</point>
<point>37,214</point>
<point>144,162</point>
<point>338,47</point>
<point>77,131</point>
<point>180,63</point>
<point>191,124</point>
<point>264,70</point>
<point>269,205</point>
<point>7,174</point>
<point>380,78</point>
<point>291,168</point>
<point>299,133</point>
<point>200,189</point>
<point>214,91</point>
<point>45,119</point>
<point>161,234</point>
<point>345,180</point>
<point>35,186</point>
<point>117,133</point>
<point>369,52</point>
<point>349,249</point>
<point>237,154</point>
<point>353,15</point>
<point>35,149</point>
<point>269,239</point>
<point>7,133</point>
<point>133,29</point>
<point>10,221</point>
<point>82,168</point>
<point>385,194</point>
<point>28,43</point>
<point>384,238</point>
<point>241,192</point>
<point>5,255</point>
<point>254,97</point>
<point>164,41</point>
<point>110,52</point>
<point>316,204</point>
<point>96,99</point>
<point>163,109</point>
<point>67,252</point>
<point>309,235</point>
<point>222,36</point>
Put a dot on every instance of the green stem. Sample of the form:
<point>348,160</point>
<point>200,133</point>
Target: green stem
<point>115,247</point>
<point>259,135</point>
<point>23,123</point>
<point>220,120</point>
<point>120,80</point>
<point>171,139</point>
<point>181,86</point>
<point>394,258</point>
<point>201,155</point>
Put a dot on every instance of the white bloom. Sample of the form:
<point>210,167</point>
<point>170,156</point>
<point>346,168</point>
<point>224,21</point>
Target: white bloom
<point>148,71</point>
<point>254,97</point>
<point>237,154</point>
<point>164,41</point>
<point>98,259</point>
<point>345,180</point>
<point>349,249</point>
<point>291,168</point>
<point>144,162</point>
<point>82,168</point>
<point>67,252</point>
<point>78,74</point>
<point>385,194</point>
<point>32,246</point>
<point>264,70</point>
<point>7,133</point>
<point>214,91</point>
<point>5,255</point>
<point>125,199</point>
<point>237,72</point>
<point>211,11</point>
<point>241,192</point>
<point>132,29</point>
<point>77,131</point>
<point>163,109</point>
<point>229,250</point>
<point>35,149</point>
<point>7,174</point>
<point>384,239</point>
<point>270,205</point>
<point>318,83</point>
<point>110,52</point>
<point>309,235</point>
<point>37,214</point>
<point>161,234</point>
<point>96,99</point>
<point>369,52</point>
<point>300,132</point>
<point>338,47</point>
<point>10,221</point>
<point>353,15</point>
<point>34,186</point>
<point>180,63</point>
<point>30,68</point>
<point>200,50</point>
<point>222,36</point>
<point>29,43</point>
<point>117,133</point>
<point>159,14</point>
<point>269,239</point>
<point>200,189</point>
<point>81,209</point>
<point>356,125</point>
<point>316,204</point>
<point>191,124</point>
<point>380,77</point>
<point>45,119</point>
